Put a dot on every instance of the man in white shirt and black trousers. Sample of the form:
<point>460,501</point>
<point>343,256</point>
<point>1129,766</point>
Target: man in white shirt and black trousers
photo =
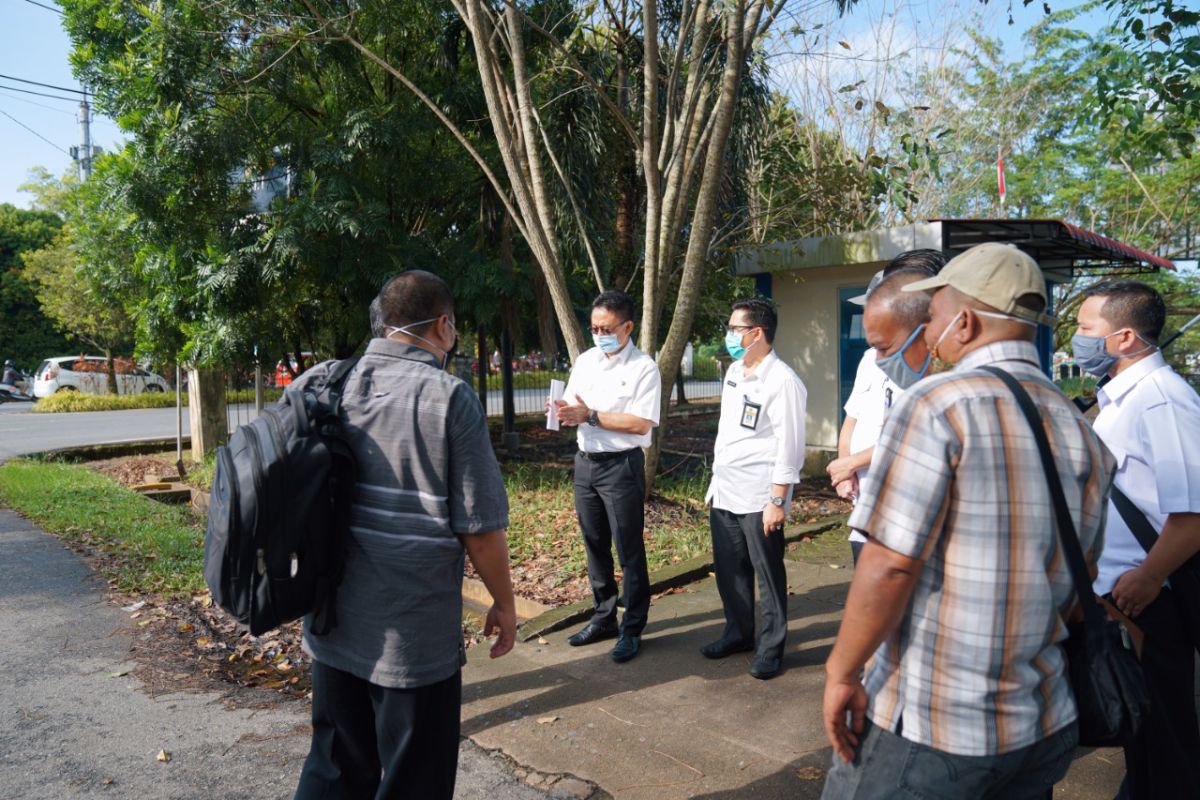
<point>1150,419</point>
<point>758,457</point>
<point>614,397</point>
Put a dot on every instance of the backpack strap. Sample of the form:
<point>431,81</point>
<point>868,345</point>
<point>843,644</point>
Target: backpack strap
<point>1092,615</point>
<point>1142,530</point>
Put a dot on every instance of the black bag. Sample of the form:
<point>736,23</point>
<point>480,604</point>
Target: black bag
<point>1110,691</point>
<point>1185,581</point>
<point>279,511</point>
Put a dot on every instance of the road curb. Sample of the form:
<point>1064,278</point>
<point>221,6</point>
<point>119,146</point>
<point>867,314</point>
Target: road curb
<point>674,576</point>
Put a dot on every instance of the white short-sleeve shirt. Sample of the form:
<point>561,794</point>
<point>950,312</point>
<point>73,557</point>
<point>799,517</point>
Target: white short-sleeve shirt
<point>625,383</point>
<point>760,438</point>
<point>1150,419</point>
<point>873,396</point>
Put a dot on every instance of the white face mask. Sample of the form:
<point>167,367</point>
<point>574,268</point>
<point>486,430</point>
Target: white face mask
<point>933,351</point>
<point>390,329</point>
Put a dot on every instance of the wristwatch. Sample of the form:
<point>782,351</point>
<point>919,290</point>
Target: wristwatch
<point>777,501</point>
<point>594,418</point>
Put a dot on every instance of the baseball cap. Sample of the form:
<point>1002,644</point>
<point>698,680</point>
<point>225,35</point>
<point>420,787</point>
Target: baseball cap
<point>993,273</point>
<point>861,300</point>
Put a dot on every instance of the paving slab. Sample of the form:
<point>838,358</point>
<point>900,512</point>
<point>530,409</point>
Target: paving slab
<point>672,724</point>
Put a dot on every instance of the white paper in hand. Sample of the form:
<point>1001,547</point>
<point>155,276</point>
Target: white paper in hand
<point>556,393</point>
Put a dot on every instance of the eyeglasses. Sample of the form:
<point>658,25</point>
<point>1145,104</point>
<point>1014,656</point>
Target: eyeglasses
<point>598,330</point>
<point>736,328</point>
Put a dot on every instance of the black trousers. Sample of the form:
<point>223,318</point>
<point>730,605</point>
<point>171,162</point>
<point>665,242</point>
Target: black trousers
<point>608,500</point>
<point>740,553</point>
<point>1163,763</point>
<point>373,742</point>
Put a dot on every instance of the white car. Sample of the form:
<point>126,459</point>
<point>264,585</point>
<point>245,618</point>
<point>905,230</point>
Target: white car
<point>63,374</point>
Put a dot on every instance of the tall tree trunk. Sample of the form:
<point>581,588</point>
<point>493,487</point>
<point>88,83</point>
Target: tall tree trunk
<point>700,235</point>
<point>110,368</point>
<point>547,330</point>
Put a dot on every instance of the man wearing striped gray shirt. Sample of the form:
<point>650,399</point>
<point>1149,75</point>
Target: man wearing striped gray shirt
<point>387,681</point>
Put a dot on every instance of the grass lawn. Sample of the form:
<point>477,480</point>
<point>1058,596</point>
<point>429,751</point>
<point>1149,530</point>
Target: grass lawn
<point>145,547</point>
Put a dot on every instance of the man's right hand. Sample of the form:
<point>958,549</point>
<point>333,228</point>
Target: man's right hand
<point>503,622</point>
<point>842,697</point>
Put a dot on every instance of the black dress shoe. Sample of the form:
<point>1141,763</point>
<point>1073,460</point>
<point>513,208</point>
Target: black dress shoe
<point>626,648</point>
<point>725,647</point>
<point>592,633</point>
<point>766,667</point>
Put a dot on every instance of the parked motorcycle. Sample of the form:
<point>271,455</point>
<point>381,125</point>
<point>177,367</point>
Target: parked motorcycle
<point>14,385</point>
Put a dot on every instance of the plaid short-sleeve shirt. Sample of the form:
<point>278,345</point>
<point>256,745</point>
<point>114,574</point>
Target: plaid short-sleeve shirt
<point>976,667</point>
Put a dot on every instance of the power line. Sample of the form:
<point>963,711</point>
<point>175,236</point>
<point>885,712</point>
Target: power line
<point>35,103</point>
<point>39,94</point>
<point>43,85</point>
<point>48,8</point>
<point>35,133</point>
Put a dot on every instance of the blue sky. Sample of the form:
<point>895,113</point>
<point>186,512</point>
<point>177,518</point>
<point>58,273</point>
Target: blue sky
<point>33,46</point>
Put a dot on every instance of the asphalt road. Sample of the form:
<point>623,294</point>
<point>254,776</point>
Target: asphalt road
<point>23,432</point>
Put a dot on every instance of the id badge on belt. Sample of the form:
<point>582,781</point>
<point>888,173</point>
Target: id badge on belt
<point>750,412</point>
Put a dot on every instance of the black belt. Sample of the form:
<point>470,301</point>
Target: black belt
<point>607,456</point>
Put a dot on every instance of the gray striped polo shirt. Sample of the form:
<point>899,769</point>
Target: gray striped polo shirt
<point>426,475</point>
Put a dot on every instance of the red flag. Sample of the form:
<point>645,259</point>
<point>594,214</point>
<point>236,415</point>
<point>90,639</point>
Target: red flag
<point>1000,174</point>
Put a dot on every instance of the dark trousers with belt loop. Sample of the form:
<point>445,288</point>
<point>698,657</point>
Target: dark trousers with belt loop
<point>609,488</point>
<point>740,553</point>
<point>1163,762</point>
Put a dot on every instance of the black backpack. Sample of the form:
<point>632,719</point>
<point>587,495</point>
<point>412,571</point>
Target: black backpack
<point>279,510</point>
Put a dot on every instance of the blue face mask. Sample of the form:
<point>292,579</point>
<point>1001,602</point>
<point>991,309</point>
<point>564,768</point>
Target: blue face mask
<point>898,370</point>
<point>1093,357</point>
<point>733,343</point>
<point>608,343</point>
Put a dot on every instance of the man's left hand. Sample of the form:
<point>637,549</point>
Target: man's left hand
<point>841,697</point>
<point>573,413</point>
<point>773,518</point>
<point>842,469</point>
<point>503,622</point>
<point>1135,590</point>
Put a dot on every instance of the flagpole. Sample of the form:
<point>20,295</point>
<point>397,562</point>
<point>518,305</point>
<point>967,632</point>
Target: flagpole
<point>1003,190</point>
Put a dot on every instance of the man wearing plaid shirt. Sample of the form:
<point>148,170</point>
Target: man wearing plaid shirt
<point>961,592</point>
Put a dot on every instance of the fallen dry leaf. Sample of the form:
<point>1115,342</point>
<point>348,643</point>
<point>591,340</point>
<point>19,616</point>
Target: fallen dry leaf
<point>543,640</point>
<point>163,756</point>
<point>810,773</point>
<point>548,720</point>
<point>121,673</point>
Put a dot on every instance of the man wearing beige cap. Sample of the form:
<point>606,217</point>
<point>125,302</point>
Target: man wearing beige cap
<point>961,592</point>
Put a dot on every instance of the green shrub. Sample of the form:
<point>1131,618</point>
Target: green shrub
<point>61,402</point>
<point>81,401</point>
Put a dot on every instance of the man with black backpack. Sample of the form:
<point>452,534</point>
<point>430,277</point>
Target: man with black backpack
<point>387,684</point>
<point>1150,419</point>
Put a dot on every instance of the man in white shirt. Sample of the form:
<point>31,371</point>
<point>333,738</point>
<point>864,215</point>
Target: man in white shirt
<point>613,396</point>
<point>874,391</point>
<point>758,456</point>
<point>1150,419</point>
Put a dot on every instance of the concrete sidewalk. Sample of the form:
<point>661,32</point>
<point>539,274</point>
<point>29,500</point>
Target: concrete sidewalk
<point>671,724</point>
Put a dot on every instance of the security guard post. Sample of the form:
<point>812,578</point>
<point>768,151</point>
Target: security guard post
<point>613,397</point>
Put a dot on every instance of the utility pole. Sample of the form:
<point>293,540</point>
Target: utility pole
<point>85,139</point>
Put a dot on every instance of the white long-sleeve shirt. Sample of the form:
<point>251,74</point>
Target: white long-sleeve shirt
<point>1150,419</point>
<point>760,438</point>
